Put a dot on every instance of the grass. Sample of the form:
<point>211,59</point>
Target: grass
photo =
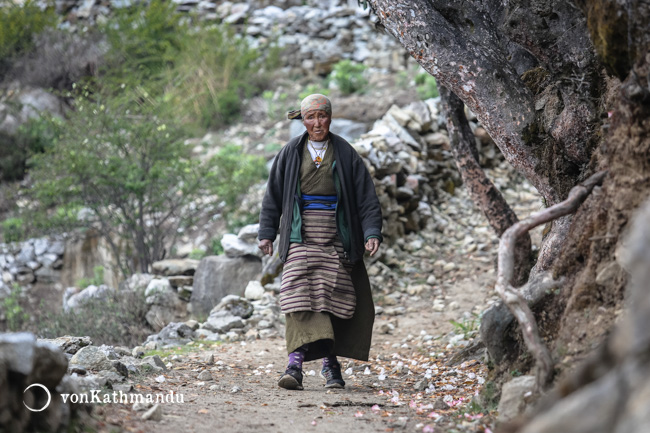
<point>191,347</point>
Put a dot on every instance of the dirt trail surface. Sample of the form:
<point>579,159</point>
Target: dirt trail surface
<point>406,385</point>
<point>423,372</point>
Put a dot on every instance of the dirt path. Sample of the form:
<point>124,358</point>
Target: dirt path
<point>385,394</point>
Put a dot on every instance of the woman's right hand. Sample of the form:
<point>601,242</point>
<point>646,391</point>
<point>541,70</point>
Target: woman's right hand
<point>266,245</point>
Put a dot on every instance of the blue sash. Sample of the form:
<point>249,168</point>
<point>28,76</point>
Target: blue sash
<point>319,201</point>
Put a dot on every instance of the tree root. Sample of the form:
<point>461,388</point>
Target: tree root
<point>513,298</point>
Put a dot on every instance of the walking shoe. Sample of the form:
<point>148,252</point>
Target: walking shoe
<point>291,379</point>
<point>332,374</point>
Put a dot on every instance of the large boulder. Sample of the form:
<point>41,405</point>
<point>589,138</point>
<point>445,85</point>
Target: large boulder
<point>219,276</point>
<point>32,373</point>
<point>175,267</point>
<point>88,294</point>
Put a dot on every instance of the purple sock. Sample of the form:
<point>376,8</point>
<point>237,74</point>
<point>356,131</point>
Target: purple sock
<point>330,361</point>
<point>296,357</point>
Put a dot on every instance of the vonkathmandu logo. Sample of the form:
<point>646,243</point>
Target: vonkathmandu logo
<point>47,391</point>
<point>95,396</point>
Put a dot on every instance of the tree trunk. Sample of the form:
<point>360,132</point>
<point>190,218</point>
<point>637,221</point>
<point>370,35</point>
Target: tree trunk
<point>526,70</point>
<point>482,191</point>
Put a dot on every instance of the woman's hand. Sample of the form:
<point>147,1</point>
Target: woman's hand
<point>372,245</point>
<point>266,245</point>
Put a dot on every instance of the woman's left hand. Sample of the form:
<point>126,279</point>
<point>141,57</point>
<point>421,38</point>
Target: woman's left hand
<point>372,245</point>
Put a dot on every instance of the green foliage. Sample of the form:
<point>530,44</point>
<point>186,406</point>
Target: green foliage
<point>274,102</point>
<point>216,247</point>
<point>96,280</point>
<point>311,89</point>
<point>144,40</point>
<point>32,137</point>
<point>197,254</point>
<point>468,326</point>
<point>13,229</point>
<point>119,319</point>
<point>122,160</point>
<point>348,77</point>
<point>426,86</point>
<point>19,24</point>
<point>212,75</point>
<point>15,316</point>
<point>236,172</point>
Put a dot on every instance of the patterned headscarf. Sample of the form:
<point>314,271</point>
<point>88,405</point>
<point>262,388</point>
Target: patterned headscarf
<point>310,103</point>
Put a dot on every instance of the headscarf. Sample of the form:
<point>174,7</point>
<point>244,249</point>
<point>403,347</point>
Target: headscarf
<point>310,103</point>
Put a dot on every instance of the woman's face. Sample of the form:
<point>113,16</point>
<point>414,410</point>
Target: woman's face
<point>317,123</point>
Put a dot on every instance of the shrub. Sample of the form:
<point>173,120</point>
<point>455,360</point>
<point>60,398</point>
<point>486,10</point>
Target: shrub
<point>15,316</point>
<point>426,86</point>
<point>19,23</point>
<point>144,40</point>
<point>311,89</point>
<point>348,77</point>
<point>13,230</point>
<point>214,73</point>
<point>119,319</point>
<point>123,161</point>
<point>239,170</point>
<point>96,280</point>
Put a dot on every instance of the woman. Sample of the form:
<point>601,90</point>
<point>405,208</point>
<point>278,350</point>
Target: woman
<point>321,198</point>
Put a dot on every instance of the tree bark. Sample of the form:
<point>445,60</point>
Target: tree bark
<point>543,119</point>
<point>513,298</point>
<point>482,191</point>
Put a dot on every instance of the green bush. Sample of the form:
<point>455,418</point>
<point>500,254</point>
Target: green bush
<point>211,77</point>
<point>96,280</point>
<point>19,23</point>
<point>15,316</point>
<point>311,89</point>
<point>125,162</point>
<point>119,319</point>
<point>426,86</point>
<point>348,77</point>
<point>13,229</point>
<point>144,39</point>
<point>32,137</point>
<point>236,171</point>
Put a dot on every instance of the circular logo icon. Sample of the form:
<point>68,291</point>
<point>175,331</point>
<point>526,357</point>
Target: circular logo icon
<point>47,391</point>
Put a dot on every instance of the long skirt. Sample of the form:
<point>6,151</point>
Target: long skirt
<point>327,309</point>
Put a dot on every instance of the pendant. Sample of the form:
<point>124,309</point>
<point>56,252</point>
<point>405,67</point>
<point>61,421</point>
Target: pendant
<point>318,160</point>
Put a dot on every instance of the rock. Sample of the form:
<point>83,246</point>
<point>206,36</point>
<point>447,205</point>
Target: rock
<point>154,361</point>
<point>174,267</point>
<point>136,282</point>
<point>235,247</point>
<point>153,414</point>
<point>208,359</point>
<point>156,286</point>
<point>180,281</point>
<point>141,406</point>
<point>90,293</point>
<point>254,291</point>
<point>222,322</point>
<point>440,404</point>
<point>92,358</point>
<point>17,352</point>
<point>138,352</point>
<point>219,276</point>
<point>51,364</point>
<point>205,376</point>
<point>514,396</point>
<point>235,305</point>
<point>173,333</point>
<point>249,233</point>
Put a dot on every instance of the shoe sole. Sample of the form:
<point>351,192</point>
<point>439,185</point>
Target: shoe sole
<point>289,382</point>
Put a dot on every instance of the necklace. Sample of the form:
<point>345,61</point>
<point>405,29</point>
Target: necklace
<point>319,152</point>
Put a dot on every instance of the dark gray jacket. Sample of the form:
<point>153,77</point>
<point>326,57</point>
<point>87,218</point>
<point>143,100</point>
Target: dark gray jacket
<point>359,199</point>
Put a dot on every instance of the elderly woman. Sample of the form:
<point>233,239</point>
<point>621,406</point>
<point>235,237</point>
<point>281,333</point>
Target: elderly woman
<point>322,199</point>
